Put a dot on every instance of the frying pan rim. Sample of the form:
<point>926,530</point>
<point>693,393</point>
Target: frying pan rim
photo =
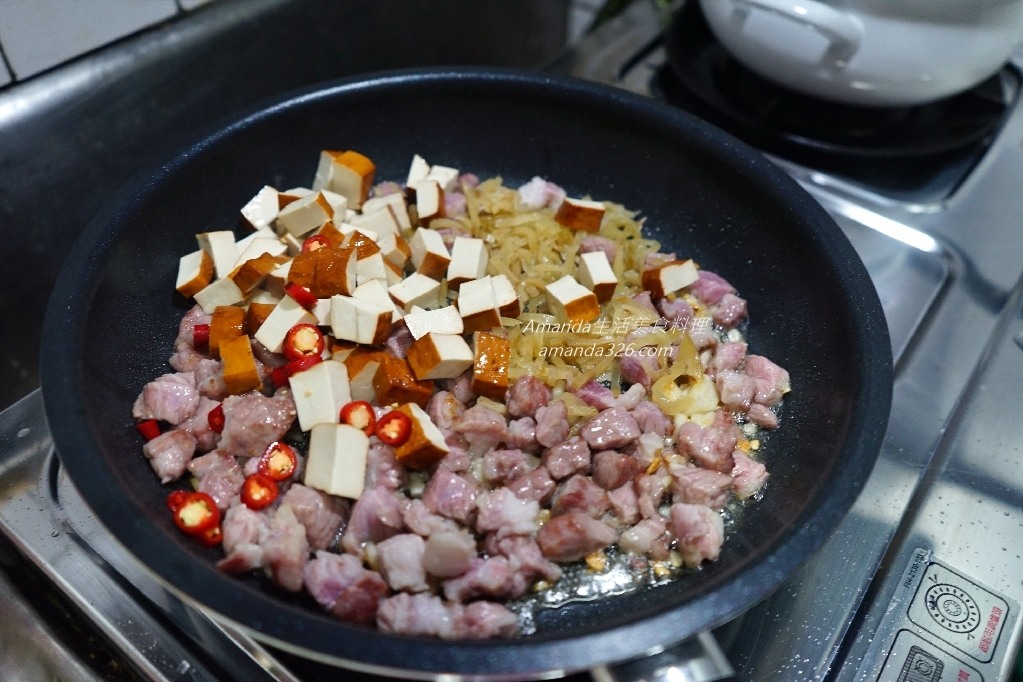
<point>61,384</point>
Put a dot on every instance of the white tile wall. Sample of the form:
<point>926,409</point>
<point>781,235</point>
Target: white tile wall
<point>38,34</point>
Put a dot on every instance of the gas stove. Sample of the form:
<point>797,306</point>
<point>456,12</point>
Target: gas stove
<point>921,581</point>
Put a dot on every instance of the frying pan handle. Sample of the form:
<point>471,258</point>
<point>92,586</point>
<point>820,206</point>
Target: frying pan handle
<point>842,30</point>
<point>698,659</point>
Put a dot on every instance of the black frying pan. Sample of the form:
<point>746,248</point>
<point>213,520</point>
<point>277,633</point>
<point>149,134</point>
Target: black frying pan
<point>114,314</point>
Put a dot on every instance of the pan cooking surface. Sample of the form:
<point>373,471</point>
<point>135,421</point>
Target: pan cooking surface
<point>704,195</point>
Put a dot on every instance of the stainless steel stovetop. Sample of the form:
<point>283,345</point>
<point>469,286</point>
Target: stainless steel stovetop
<point>922,581</point>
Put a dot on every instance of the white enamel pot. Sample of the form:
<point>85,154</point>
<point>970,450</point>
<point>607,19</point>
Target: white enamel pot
<point>879,53</point>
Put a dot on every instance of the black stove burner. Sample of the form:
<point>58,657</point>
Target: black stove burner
<point>703,78</point>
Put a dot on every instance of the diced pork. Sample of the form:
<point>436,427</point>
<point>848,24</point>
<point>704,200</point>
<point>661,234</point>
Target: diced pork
<point>501,512</point>
<point>698,531</point>
<point>252,421</point>
<point>551,424</point>
<point>382,467</point>
<point>209,379</point>
<point>485,619</point>
<point>536,485</point>
<point>341,585</point>
<point>451,495</point>
<point>611,429</point>
<point>186,356</point>
<point>422,615</point>
<point>539,193</point>
<point>695,485</point>
<point>489,577</point>
<point>526,395</point>
<point>710,287</point>
<point>677,312</point>
<point>650,419</point>
<point>401,562</point>
<point>572,536</point>
<point>730,310</point>
<point>322,515</point>
<point>624,504</point>
<point>748,476</point>
<point>169,454</point>
<point>502,465</point>
<point>710,447</point>
<point>728,355</point>
<point>613,469</point>
<point>567,457</point>
<point>244,531</point>
<point>482,428</point>
<point>735,389</point>
<point>172,398</point>
<point>762,416</point>
<point>580,494</point>
<point>444,409</point>
<point>596,394</point>
<point>522,435</point>
<point>219,475</point>
<point>376,516</point>
<point>448,553</point>
<point>285,549</point>
<point>648,537</point>
<point>772,381</point>
<point>198,425</point>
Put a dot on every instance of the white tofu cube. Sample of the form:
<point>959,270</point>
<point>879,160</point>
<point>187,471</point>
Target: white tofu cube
<point>429,254</point>
<point>397,205</point>
<point>580,214</point>
<point>262,296</point>
<point>257,247</point>
<point>321,311</point>
<point>570,301</point>
<point>380,223</point>
<point>478,306</point>
<point>337,459</point>
<point>670,277</point>
<point>596,274</point>
<point>358,320</point>
<point>445,176</point>
<point>444,320</point>
<point>469,257</point>
<point>338,203</point>
<point>220,292</point>
<point>362,383</point>
<point>281,319</point>
<point>375,291</point>
<point>439,356</point>
<point>195,272</point>
<point>246,241</point>
<point>417,172</point>
<point>289,195</point>
<point>507,298</point>
<point>261,210</point>
<point>304,215</point>
<point>221,247</point>
<point>319,393</point>
<point>416,289</point>
<point>429,201</point>
<point>370,268</point>
<point>395,249</point>
<point>277,279</point>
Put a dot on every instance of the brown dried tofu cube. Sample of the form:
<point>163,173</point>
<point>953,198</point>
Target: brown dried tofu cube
<point>303,269</point>
<point>426,444</point>
<point>335,272</point>
<point>228,322</point>
<point>491,356</point>
<point>240,372</point>
<point>362,243</point>
<point>252,272</point>
<point>256,315</point>
<point>394,383</point>
<point>362,364</point>
<point>333,235</point>
<point>669,277</point>
<point>580,214</point>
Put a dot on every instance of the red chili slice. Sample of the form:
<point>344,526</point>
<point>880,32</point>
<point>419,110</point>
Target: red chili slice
<point>149,428</point>
<point>201,336</point>
<point>302,341</point>
<point>212,537</point>
<point>278,462</point>
<point>359,414</point>
<point>302,296</point>
<point>215,418</point>
<point>281,376</point>
<point>394,428</point>
<point>197,514</point>
<point>317,241</point>
<point>176,498</point>
<point>258,491</point>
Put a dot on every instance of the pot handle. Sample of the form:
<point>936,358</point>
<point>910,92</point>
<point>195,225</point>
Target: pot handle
<point>842,30</point>
<point>698,659</point>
